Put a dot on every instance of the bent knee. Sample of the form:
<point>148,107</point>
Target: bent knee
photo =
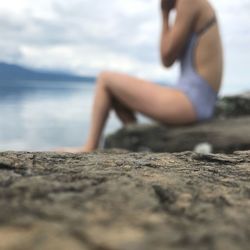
<point>105,76</point>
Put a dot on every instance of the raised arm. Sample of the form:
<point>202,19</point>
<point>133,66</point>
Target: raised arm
<point>173,40</point>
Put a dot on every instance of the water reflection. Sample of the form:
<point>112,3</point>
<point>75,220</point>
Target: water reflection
<point>40,116</point>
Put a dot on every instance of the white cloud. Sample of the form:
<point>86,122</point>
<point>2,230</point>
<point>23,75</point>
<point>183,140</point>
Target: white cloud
<point>87,36</point>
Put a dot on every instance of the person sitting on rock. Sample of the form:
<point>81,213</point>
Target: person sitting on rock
<point>193,40</point>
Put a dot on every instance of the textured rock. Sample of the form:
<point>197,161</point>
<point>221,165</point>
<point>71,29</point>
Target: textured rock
<point>234,106</point>
<point>224,135</point>
<point>108,201</point>
<point>227,132</point>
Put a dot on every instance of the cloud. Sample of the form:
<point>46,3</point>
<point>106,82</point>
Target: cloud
<point>87,36</point>
<point>84,36</point>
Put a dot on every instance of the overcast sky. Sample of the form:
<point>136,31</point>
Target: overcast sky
<point>87,36</point>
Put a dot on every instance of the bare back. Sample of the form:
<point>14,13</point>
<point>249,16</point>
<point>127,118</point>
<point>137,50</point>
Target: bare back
<point>191,17</point>
<point>209,52</point>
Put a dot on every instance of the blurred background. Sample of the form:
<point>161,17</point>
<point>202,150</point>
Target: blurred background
<point>51,52</point>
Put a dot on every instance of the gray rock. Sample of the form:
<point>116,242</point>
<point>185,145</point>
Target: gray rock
<point>223,135</point>
<point>234,106</point>
<point>227,132</point>
<point>123,200</point>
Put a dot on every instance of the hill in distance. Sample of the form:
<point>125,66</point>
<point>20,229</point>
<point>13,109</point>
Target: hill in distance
<point>12,72</point>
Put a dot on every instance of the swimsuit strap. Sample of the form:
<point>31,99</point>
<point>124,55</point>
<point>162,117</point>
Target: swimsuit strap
<point>209,24</point>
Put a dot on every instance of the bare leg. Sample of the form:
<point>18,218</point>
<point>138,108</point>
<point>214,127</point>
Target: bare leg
<point>163,104</point>
<point>101,107</point>
<point>125,114</point>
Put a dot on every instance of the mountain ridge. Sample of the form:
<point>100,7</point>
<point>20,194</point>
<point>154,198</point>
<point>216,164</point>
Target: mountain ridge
<point>14,72</point>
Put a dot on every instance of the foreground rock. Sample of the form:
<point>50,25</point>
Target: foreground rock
<point>227,132</point>
<point>124,201</point>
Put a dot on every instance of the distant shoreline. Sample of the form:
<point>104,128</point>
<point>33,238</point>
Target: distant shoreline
<point>13,72</point>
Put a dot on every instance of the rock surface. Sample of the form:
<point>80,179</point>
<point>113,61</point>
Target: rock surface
<point>124,201</point>
<point>227,132</point>
<point>234,106</point>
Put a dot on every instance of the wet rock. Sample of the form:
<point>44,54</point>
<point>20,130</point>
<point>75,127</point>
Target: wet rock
<point>227,132</point>
<point>119,200</point>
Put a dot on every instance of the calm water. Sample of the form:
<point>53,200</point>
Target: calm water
<point>40,116</point>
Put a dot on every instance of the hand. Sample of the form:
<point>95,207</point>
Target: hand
<point>167,5</point>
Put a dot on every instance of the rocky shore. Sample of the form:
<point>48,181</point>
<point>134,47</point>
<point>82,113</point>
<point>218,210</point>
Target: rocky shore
<point>115,200</point>
<point>227,132</point>
<point>119,200</point>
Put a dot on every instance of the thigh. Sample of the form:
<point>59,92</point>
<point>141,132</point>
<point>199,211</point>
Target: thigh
<point>165,104</point>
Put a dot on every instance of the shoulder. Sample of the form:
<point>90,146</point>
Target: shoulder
<point>188,13</point>
<point>189,8</point>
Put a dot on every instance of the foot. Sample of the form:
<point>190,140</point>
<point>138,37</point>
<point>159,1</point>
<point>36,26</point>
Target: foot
<point>74,150</point>
<point>125,115</point>
<point>127,118</point>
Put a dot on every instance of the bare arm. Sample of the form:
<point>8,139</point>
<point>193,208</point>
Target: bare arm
<point>165,28</point>
<point>173,40</point>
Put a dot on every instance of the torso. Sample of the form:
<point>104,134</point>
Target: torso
<point>209,52</point>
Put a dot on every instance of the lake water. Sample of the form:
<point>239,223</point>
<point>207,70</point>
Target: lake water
<point>40,116</point>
